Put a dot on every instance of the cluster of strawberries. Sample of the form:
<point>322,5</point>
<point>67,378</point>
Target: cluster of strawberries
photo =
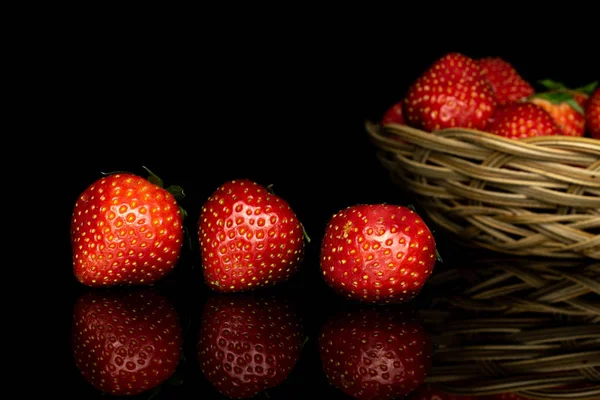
<point>489,94</point>
<point>127,230</point>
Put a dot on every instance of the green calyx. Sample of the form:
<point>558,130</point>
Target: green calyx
<point>175,190</point>
<point>558,86</point>
<point>557,93</point>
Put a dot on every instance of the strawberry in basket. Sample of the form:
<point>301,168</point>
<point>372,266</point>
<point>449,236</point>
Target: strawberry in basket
<point>565,106</point>
<point>452,92</point>
<point>393,115</point>
<point>592,114</point>
<point>519,120</point>
<point>508,85</point>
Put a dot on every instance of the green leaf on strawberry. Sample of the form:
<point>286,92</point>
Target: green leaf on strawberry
<point>588,89</point>
<point>558,98</point>
<point>551,84</point>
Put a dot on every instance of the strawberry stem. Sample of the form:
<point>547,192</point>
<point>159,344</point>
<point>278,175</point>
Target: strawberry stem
<point>306,237</point>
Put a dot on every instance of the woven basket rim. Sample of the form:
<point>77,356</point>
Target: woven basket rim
<point>535,196</point>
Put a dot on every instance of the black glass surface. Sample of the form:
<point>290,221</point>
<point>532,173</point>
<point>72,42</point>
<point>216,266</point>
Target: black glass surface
<point>297,121</point>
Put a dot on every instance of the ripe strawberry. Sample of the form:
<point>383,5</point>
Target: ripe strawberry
<point>508,85</point>
<point>393,115</point>
<point>452,92</point>
<point>249,238</point>
<point>126,230</point>
<point>377,253</point>
<point>125,343</point>
<point>592,115</point>
<point>521,120</point>
<point>374,353</point>
<point>248,344</point>
<point>565,106</point>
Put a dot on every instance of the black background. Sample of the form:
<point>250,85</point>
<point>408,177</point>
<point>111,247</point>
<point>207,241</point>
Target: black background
<point>280,103</point>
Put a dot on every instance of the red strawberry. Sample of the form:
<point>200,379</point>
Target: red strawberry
<point>430,392</point>
<point>452,92</point>
<point>126,230</point>
<point>374,353</point>
<point>249,238</point>
<point>521,120</point>
<point>125,343</point>
<point>565,106</point>
<point>377,253</point>
<point>248,344</point>
<point>393,115</point>
<point>592,115</point>
<point>507,83</point>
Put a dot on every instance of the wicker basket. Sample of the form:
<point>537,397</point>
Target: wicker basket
<point>538,196</point>
<point>524,326</point>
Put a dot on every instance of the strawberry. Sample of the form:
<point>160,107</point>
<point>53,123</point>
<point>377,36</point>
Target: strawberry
<point>374,353</point>
<point>249,238</point>
<point>377,253</point>
<point>592,114</point>
<point>393,115</point>
<point>565,106</point>
<point>508,85</point>
<point>248,344</point>
<point>452,92</point>
<point>126,230</point>
<point>521,120</point>
<point>126,342</point>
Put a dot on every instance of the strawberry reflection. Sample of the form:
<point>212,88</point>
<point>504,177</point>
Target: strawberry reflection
<point>248,343</point>
<point>126,342</point>
<point>374,353</point>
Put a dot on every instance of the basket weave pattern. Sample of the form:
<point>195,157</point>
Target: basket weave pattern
<point>538,196</point>
<point>519,326</point>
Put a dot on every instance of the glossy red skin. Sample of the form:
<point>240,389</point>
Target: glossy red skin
<point>377,253</point>
<point>126,343</point>
<point>452,92</point>
<point>570,121</point>
<point>248,238</point>
<point>592,114</point>
<point>393,115</point>
<point>512,121</point>
<point>508,85</point>
<point>125,230</point>
<point>375,354</point>
<point>246,344</point>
